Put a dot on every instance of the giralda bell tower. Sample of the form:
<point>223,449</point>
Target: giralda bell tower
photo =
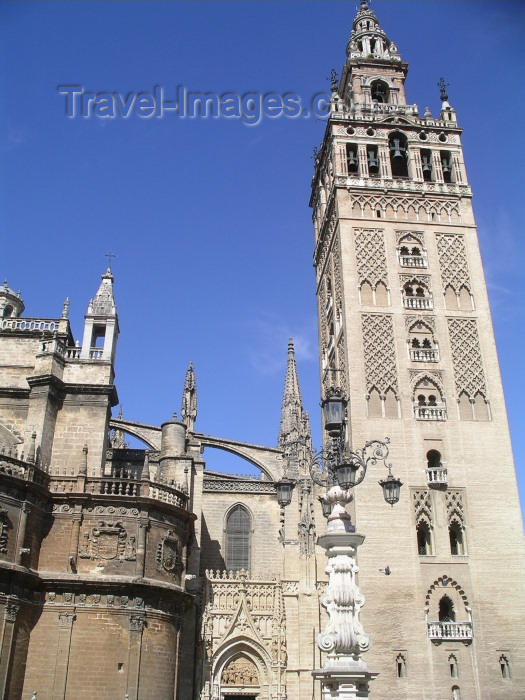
<point>404,320</point>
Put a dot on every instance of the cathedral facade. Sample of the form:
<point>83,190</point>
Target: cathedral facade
<point>141,574</point>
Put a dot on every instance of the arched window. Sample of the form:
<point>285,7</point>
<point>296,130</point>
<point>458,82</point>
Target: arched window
<point>401,667</point>
<point>446,610</point>
<point>504,666</point>
<point>238,528</point>
<point>453,666</point>
<point>397,144</point>
<point>379,91</point>
<point>455,535</point>
<point>424,541</point>
<point>8,311</point>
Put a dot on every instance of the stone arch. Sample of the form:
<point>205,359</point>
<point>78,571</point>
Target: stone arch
<point>246,648</point>
<point>451,588</point>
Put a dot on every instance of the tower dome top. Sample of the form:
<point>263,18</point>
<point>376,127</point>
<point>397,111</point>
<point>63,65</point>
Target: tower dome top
<point>367,39</point>
<point>11,304</point>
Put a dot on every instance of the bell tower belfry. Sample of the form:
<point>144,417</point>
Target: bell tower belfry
<point>101,323</point>
<point>405,325</point>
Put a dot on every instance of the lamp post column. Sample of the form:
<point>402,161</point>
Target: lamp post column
<point>345,675</point>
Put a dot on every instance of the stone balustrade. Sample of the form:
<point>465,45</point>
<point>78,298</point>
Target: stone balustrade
<point>430,412</point>
<point>437,476</point>
<point>13,466</point>
<point>412,261</point>
<point>424,355</point>
<point>461,631</point>
<point>30,324</point>
<point>424,303</point>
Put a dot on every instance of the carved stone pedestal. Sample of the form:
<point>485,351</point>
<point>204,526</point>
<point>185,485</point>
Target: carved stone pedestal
<point>344,678</point>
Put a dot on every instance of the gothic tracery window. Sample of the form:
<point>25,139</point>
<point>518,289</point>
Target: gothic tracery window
<point>238,530</point>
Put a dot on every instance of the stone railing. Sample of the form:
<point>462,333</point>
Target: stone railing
<point>418,302</point>
<point>75,353</point>
<point>430,413</point>
<point>437,476</point>
<point>424,355</point>
<point>30,324</point>
<point>412,261</point>
<point>450,630</point>
<point>12,466</point>
<point>112,486</point>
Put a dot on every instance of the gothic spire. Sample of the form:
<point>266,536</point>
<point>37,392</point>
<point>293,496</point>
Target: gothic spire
<point>295,437</point>
<point>189,399</point>
<point>104,304</point>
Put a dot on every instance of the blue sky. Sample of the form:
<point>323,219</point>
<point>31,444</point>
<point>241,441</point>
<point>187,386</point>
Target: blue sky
<point>209,217</point>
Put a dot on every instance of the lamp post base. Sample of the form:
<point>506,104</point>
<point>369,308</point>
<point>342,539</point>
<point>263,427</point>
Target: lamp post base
<point>344,678</point>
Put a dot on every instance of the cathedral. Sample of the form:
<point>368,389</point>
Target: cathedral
<point>141,574</point>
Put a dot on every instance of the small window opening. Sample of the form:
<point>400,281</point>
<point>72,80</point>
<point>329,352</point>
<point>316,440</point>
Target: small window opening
<point>446,610</point>
<point>453,666</point>
<point>433,459</point>
<point>120,667</point>
<point>401,666</point>
<point>455,535</point>
<point>8,311</point>
<point>504,667</point>
<point>378,213</point>
<point>423,540</point>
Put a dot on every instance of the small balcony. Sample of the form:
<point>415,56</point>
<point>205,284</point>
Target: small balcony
<point>424,354</point>
<point>421,303</point>
<point>437,477</point>
<point>418,261</point>
<point>450,631</point>
<point>432,413</point>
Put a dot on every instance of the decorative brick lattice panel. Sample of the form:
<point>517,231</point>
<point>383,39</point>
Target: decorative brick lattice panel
<point>455,509</point>
<point>423,506</point>
<point>466,356</point>
<point>453,262</point>
<point>371,257</point>
<point>338,277</point>
<point>379,353</point>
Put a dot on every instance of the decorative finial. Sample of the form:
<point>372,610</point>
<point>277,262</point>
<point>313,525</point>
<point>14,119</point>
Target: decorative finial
<point>428,113</point>
<point>65,308</point>
<point>315,153</point>
<point>334,80</point>
<point>442,85</point>
<point>109,256</point>
<point>365,4</point>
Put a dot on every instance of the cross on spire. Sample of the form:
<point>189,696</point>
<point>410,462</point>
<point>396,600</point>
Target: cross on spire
<point>109,256</point>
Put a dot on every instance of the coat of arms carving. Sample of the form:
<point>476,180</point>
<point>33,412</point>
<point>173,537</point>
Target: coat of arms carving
<point>168,554</point>
<point>108,541</point>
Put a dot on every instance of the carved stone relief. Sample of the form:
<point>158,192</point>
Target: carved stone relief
<point>168,556</point>
<point>108,541</point>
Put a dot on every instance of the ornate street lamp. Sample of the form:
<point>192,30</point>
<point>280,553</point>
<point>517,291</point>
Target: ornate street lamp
<point>284,492</point>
